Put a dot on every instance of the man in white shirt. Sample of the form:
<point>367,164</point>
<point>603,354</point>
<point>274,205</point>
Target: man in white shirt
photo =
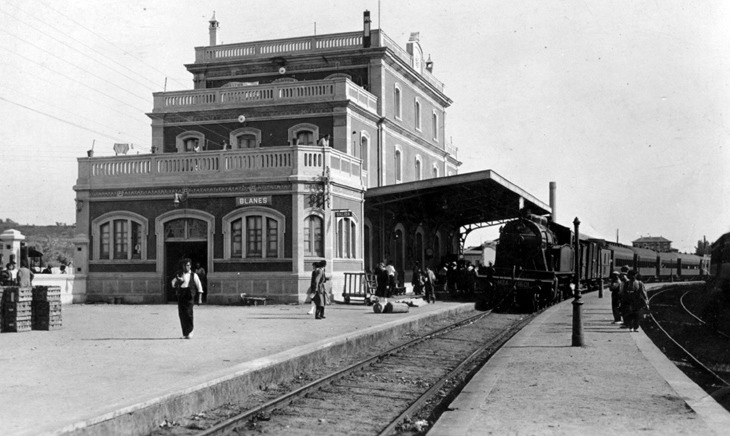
<point>189,290</point>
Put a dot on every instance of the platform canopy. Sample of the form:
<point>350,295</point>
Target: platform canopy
<point>482,197</point>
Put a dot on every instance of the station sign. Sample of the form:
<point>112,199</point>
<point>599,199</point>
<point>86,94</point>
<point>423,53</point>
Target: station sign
<point>343,213</point>
<point>259,200</point>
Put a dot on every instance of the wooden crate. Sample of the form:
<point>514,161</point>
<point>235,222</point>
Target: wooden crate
<point>14,294</point>
<point>16,310</point>
<point>47,324</point>
<point>16,326</point>
<point>46,293</point>
<point>45,308</point>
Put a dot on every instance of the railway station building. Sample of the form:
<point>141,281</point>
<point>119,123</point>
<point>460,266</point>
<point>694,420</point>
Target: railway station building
<point>286,152</point>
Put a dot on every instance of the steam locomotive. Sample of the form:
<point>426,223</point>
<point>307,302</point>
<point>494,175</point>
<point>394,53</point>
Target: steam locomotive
<point>535,259</point>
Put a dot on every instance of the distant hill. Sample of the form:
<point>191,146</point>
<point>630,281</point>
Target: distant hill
<point>53,241</point>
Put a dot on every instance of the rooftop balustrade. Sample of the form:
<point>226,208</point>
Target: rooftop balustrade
<point>268,164</point>
<point>306,44</point>
<point>336,89</point>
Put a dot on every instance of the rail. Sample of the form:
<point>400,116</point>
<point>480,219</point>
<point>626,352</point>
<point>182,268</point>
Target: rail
<point>283,161</point>
<point>335,89</point>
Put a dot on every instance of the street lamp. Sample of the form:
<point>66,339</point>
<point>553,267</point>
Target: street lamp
<point>577,303</point>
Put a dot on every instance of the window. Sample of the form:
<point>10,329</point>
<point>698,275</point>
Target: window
<point>397,102</point>
<point>346,238</point>
<point>246,137</point>
<point>364,152</point>
<point>188,141</point>
<point>417,111</point>
<point>398,167</point>
<point>305,137</point>
<point>435,126</point>
<point>119,236</point>
<point>246,141</point>
<point>313,240</point>
<point>253,233</point>
<point>435,171</point>
<point>304,134</point>
<point>418,167</point>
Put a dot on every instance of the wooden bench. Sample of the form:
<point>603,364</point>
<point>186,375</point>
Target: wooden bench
<point>250,300</point>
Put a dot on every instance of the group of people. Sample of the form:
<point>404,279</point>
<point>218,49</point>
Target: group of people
<point>629,300</point>
<point>11,276</point>
<point>424,282</point>
<point>457,278</point>
<point>386,277</point>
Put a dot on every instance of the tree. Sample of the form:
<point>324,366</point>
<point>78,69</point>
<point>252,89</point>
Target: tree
<point>702,248</point>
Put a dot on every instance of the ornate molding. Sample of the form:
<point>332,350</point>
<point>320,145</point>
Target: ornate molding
<point>195,190</point>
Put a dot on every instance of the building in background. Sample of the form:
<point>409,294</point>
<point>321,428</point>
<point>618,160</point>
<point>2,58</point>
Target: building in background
<point>656,243</point>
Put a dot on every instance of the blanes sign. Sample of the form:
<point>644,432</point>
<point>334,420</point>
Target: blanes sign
<point>262,200</point>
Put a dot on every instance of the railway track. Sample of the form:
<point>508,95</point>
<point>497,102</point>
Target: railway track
<point>402,388</point>
<point>701,352</point>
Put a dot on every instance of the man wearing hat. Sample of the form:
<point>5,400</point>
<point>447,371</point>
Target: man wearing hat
<point>634,301</point>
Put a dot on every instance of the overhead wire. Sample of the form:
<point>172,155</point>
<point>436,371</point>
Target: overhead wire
<point>59,119</point>
<point>107,41</point>
<point>67,62</point>
<point>77,50</point>
<point>79,116</point>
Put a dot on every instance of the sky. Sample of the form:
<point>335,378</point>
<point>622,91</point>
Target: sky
<point>624,104</point>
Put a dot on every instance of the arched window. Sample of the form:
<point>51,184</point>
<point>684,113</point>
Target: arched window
<point>120,235</point>
<point>435,171</point>
<point>246,137</point>
<point>398,166</point>
<point>253,233</point>
<point>435,126</point>
<point>304,134</point>
<point>418,167</point>
<point>188,141</point>
<point>364,151</point>
<point>313,236</point>
<point>346,238</point>
<point>417,111</point>
<point>419,248</point>
<point>397,103</point>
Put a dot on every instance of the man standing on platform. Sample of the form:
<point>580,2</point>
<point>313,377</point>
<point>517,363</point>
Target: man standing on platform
<point>635,300</point>
<point>189,290</point>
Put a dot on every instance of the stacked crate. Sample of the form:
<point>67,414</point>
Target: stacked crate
<point>46,308</point>
<point>16,309</point>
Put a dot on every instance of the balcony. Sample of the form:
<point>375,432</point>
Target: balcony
<point>306,44</point>
<point>269,164</point>
<point>338,89</point>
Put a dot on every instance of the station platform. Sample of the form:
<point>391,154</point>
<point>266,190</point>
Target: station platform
<point>117,369</point>
<point>618,383</point>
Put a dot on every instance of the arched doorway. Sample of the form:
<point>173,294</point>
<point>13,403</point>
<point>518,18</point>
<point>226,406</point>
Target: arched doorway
<point>183,234</point>
<point>184,238</point>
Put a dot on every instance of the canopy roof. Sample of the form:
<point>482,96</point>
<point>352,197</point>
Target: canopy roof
<point>464,199</point>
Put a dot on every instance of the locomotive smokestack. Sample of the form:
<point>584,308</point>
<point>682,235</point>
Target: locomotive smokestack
<point>553,202</point>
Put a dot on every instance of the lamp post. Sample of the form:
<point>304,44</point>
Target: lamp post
<point>577,303</point>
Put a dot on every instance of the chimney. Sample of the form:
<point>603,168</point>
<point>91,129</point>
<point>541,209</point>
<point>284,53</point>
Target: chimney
<point>366,29</point>
<point>213,30</point>
<point>553,202</point>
